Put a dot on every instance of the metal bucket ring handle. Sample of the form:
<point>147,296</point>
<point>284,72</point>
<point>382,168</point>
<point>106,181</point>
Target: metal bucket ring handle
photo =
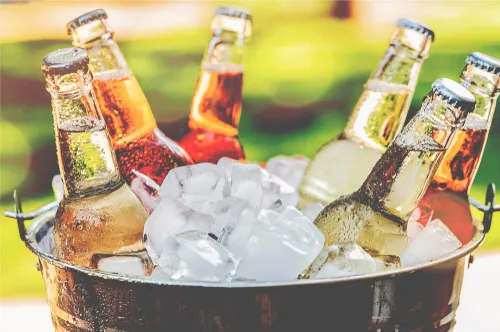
<point>22,217</point>
<point>488,209</point>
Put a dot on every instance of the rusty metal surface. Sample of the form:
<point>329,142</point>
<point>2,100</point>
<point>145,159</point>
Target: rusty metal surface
<point>421,298</point>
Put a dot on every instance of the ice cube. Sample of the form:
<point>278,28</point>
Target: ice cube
<point>169,218</point>
<point>312,210</point>
<point>195,256</point>
<point>274,247</point>
<point>246,183</point>
<point>227,213</point>
<point>196,185</point>
<point>293,214</point>
<point>413,228</point>
<point>341,261</point>
<point>433,241</point>
<point>58,187</point>
<point>159,274</point>
<point>244,178</point>
<point>133,264</point>
<point>290,169</point>
<point>227,164</point>
<point>146,189</point>
<point>278,206</point>
<point>275,188</point>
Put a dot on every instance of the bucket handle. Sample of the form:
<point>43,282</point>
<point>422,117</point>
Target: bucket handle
<point>22,217</point>
<point>488,209</point>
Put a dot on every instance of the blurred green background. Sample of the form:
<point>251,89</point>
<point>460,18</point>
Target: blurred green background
<point>304,70</point>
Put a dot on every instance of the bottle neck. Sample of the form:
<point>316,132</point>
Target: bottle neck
<point>86,159</point>
<point>485,87</point>
<point>106,58</point>
<point>404,172</point>
<point>380,112</point>
<point>73,99</point>
<point>217,99</point>
<point>121,100</point>
<point>96,37</point>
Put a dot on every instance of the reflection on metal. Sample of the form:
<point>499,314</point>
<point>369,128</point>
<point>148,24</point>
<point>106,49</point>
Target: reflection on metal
<point>384,296</point>
<point>421,298</point>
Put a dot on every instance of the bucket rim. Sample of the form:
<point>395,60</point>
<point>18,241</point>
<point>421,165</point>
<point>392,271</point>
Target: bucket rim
<point>46,217</point>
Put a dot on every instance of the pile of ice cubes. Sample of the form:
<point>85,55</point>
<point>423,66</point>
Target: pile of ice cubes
<point>238,222</point>
<point>232,221</point>
<point>425,244</point>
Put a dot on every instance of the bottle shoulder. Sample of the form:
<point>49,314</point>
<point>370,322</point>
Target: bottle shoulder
<point>103,205</point>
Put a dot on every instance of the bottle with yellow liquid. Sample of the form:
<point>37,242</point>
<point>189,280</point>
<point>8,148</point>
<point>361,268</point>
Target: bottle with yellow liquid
<point>447,197</point>
<point>99,213</point>
<point>375,216</point>
<point>138,143</point>
<point>340,166</point>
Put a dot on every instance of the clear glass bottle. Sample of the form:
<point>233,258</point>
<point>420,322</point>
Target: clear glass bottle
<point>447,197</point>
<point>340,166</point>
<point>99,213</point>
<point>216,106</point>
<point>138,143</point>
<point>375,216</point>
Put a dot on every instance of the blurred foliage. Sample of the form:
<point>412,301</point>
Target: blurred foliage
<point>302,78</point>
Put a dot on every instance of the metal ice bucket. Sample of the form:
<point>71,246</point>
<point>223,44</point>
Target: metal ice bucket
<point>420,298</point>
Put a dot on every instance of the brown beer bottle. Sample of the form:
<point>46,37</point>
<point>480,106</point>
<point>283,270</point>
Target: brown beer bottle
<point>447,197</point>
<point>138,143</point>
<point>375,216</point>
<point>339,167</point>
<point>216,106</point>
<point>99,213</point>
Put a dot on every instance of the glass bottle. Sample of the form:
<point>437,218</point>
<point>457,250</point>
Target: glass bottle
<point>340,166</point>
<point>99,213</point>
<point>447,197</point>
<point>375,216</point>
<point>216,106</point>
<point>138,143</point>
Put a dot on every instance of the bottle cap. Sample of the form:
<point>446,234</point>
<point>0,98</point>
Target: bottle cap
<point>414,25</point>
<point>484,62</point>
<point>236,12</point>
<point>65,61</point>
<point>94,15</point>
<point>454,94</point>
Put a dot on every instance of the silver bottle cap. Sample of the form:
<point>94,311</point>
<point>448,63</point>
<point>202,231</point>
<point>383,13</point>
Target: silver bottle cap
<point>237,12</point>
<point>417,26</point>
<point>454,94</point>
<point>484,62</point>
